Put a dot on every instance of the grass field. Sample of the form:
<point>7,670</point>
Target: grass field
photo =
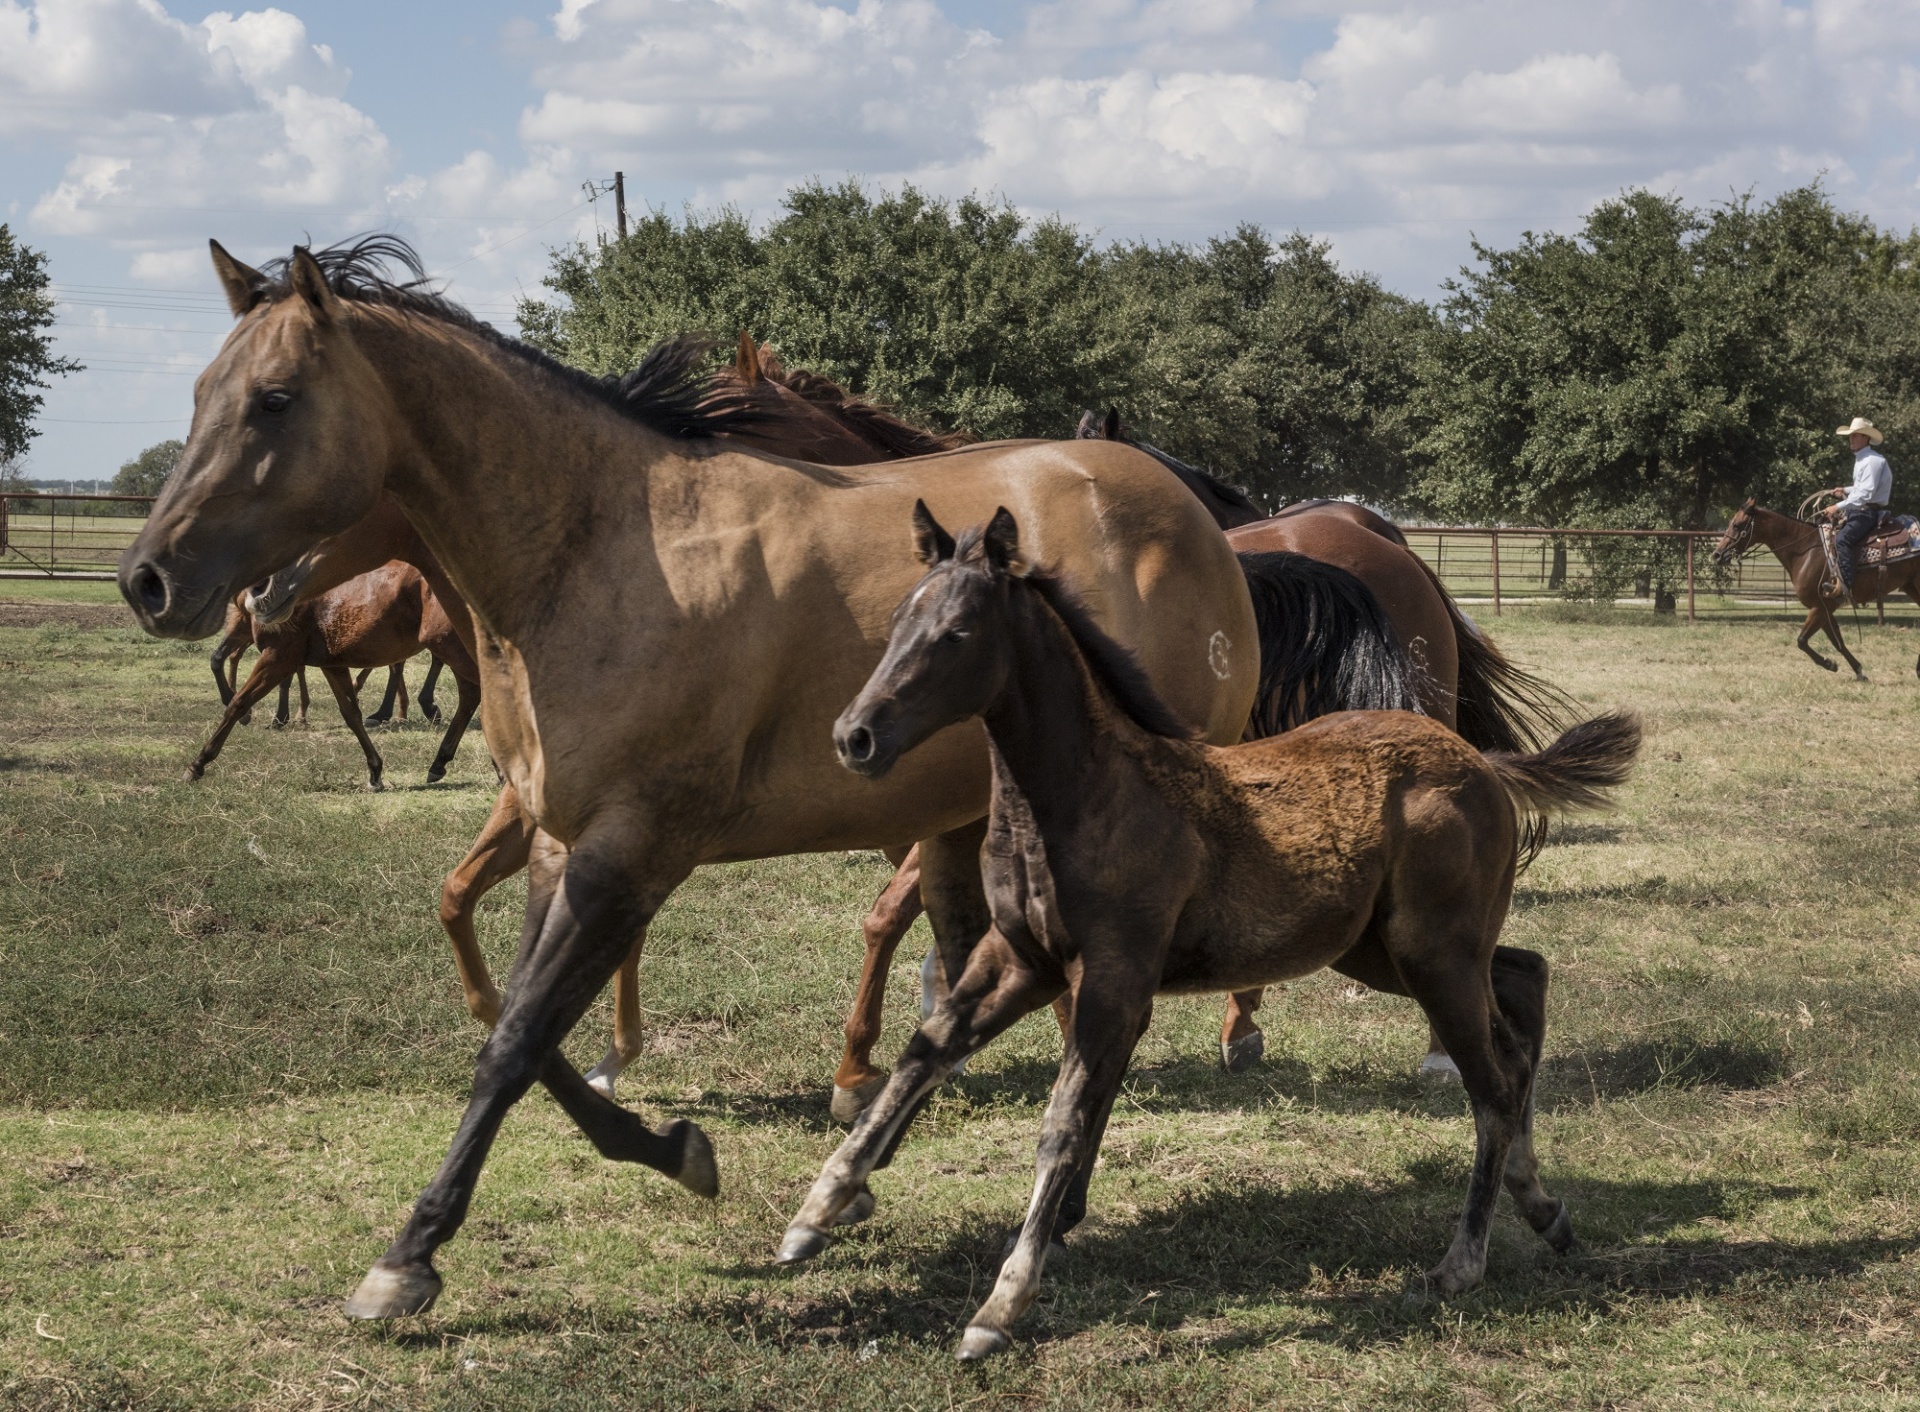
<point>231,1052</point>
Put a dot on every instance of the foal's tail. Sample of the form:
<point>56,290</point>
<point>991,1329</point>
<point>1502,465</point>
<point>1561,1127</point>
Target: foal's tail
<point>1325,645</point>
<point>1575,772</point>
<point>1499,706</point>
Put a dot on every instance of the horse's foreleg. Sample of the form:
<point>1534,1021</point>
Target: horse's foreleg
<point>1241,1042</point>
<point>1830,625</point>
<point>997,989</point>
<point>501,850</point>
<point>1805,641</point>
<point>305,701</point>
<point>280,712</point>
<point>1107,1024</point>
<point>857,1080</point>
<point>629,1032</point>
<point>394,697</point>
<point>342,683</point>
<point>456,728</point>
<point>577,932</point>
<point>266,671</point>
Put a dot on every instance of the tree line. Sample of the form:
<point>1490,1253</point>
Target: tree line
<point>1651,370</point>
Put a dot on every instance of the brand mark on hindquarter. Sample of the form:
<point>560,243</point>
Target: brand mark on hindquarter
<point>1217,648</point>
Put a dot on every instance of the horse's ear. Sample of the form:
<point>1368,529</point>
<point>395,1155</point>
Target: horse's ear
<point>932,544</point>
<point>310,283</point>
<point>1110,425</point>
<point>1001,541</point>
<point>1089,428</point>
<point>243,285</point>
<point>746,359</point>
<point>1751,502</point>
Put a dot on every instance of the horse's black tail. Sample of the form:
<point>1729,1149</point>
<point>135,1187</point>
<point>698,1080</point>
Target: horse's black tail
<point>1499,706</point>
<point>1325,645</point>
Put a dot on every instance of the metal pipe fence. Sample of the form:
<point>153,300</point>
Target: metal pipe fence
<point>49,535</point>
<point>1668,570</point>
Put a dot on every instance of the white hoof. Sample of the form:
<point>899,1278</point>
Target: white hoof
<point>1440,1066</point>
<point>601,1079</point>
<point>800,1243</point>
<point>850,1103</point>
<point>389,1293</point>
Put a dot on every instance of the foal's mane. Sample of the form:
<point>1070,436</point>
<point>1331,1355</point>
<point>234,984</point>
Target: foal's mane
<point>899,437</point>
<point>1114,667</point>
<point>671,391</point>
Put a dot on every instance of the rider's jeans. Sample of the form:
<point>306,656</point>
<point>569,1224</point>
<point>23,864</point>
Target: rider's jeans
<point>1847,540</point>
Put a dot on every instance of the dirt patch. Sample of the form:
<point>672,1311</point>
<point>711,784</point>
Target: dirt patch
<point>32,613</point>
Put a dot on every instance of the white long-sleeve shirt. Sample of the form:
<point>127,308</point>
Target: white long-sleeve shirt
<point>1872,480</point>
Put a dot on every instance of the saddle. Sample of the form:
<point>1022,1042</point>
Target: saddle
<point>1895,539</point>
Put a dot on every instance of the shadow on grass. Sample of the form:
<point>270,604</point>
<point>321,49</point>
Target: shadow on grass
<point>1571,1080</point>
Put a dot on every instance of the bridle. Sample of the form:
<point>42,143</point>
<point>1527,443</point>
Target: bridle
<point>1737,542</point>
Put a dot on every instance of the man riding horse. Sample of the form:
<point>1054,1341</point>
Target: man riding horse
<point>1859,513</point>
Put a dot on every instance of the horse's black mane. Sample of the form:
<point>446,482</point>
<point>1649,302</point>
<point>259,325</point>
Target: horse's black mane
<point>1231,494</point>
<point>894,435</point>
<point>1113,666</point>
<point>672,391</point>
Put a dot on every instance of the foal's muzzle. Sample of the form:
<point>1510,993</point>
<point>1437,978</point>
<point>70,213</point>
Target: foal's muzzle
<point>865,743</point>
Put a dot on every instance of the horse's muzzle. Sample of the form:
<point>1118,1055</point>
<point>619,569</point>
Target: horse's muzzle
<point>865,744</point>
<point>161,606</point>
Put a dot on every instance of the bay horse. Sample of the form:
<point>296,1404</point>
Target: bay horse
<point>377,619</point>
<point>1796,544</point>
<point>754,594</point>
<point>1464,681</point>
<point>1125,859</point>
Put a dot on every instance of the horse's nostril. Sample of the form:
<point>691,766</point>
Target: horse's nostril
<point>149,589</point>
<point>860,743</point>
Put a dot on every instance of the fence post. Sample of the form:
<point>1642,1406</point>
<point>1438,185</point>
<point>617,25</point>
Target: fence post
<point>1689,578</point>
<point>1496,572</point>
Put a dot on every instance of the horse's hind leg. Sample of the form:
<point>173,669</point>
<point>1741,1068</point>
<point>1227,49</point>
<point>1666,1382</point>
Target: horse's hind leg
<point>267,669</point>
<point>996,989</point>
<point>1241,1042</point>
<point>395,697</point>
<point>1830,625</point>
<point>857,1080</point>
<point>342,683</point>
<point>1520,989</point>
<point>629,1033</point>
<point>425,697</point>
<point>281,712</point>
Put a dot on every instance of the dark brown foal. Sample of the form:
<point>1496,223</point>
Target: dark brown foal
<point>1124,859</point>
<point>376,620</point>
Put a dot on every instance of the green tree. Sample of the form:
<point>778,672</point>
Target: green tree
<point>27,359</point>
<point>1660,366</point>
<point>147,472</point>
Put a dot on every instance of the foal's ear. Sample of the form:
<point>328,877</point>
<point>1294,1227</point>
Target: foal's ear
<point>243,285</point>
<point>1001,541</point>
<point>746,359</point>
<point>933,544</point>
<point>310,283</point>
<point>1110,425</point>
<point>1089,427</point>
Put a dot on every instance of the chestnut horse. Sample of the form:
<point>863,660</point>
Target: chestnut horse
<point>1796,544</point>
<point>1124,860</point>
<point>753,594</point>
<point>378,619</point>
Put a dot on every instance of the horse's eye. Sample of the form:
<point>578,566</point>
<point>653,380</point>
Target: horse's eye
<point>954,635</point>
<point>275,400</point>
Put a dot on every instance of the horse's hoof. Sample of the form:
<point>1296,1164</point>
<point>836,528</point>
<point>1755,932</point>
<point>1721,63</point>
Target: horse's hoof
<point>600,1079</point>
<point>1444,1282</point>
<point>389,1292</point>
<point>1827,666</point>
<point>856,1210</point>
<point>1239,1055</point>
<point>800,1243</point>
<point>193,774</point>
<point>850,1103</point>
<point>436,774</point>
<point>981,1342</point>
<point>1440,1066</point>
<point>374,784</point>
<point>1559,1234</point>
<point>698,1172</point>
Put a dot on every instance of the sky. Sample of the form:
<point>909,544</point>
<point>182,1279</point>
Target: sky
<point>133,130</point>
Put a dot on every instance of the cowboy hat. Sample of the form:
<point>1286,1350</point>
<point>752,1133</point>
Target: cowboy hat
<point>1863,427</point>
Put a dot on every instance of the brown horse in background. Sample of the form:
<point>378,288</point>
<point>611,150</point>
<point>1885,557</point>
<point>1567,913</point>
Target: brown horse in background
<point>1796,544</point>
<point>1124,860</point>
<point>376,620</point>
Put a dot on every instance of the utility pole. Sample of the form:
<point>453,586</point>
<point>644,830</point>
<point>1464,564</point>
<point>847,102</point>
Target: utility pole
<point>620,203</point>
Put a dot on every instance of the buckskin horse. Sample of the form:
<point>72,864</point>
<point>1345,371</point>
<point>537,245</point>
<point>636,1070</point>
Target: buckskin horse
<point>1796,544</point>
<point>754,594</point>
<point>1125,859</point>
